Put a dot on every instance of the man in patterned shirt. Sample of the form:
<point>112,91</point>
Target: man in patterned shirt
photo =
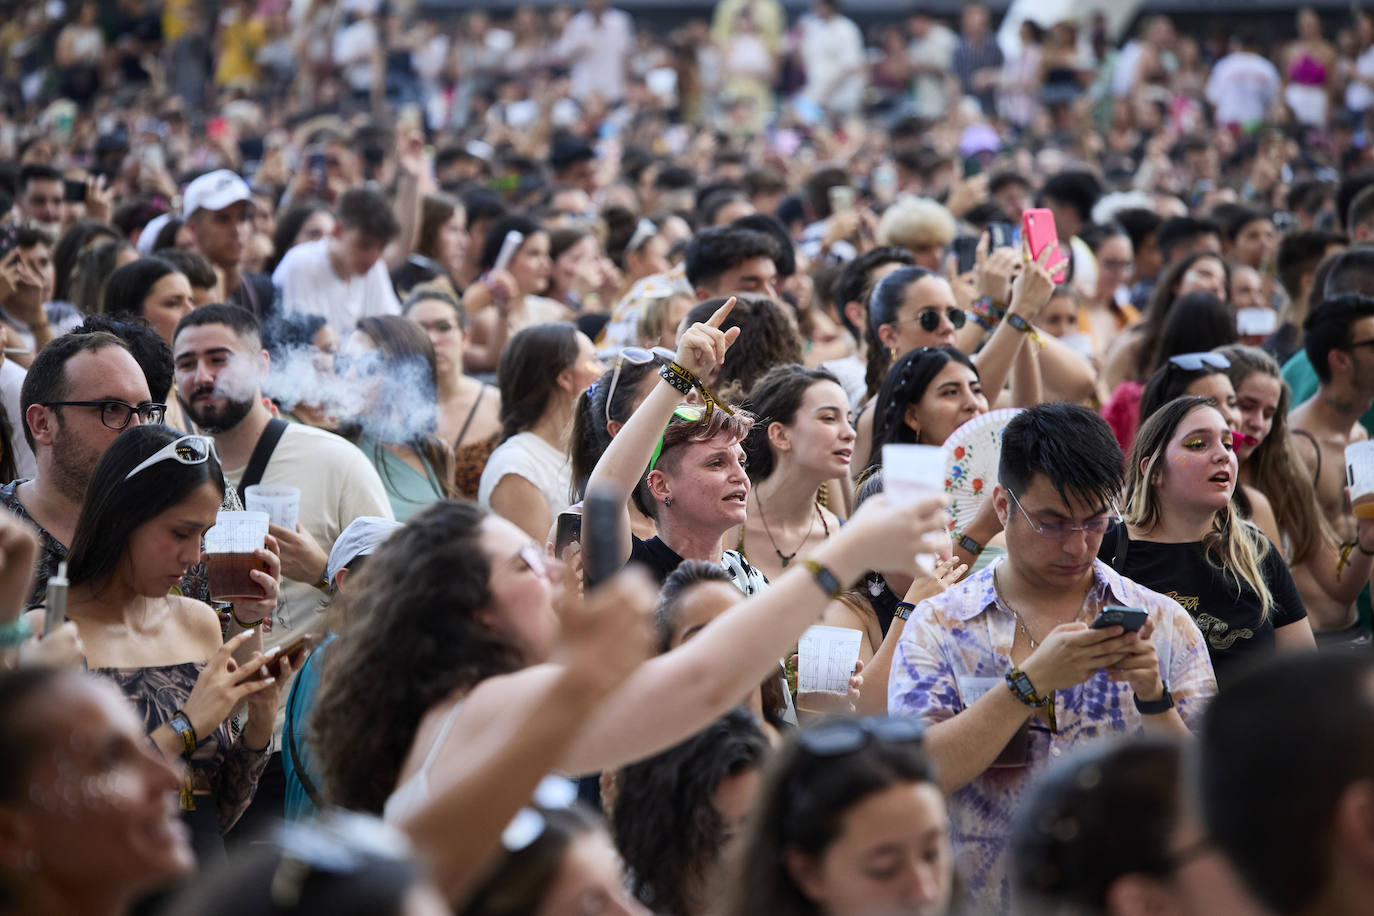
<point>1004,667</point>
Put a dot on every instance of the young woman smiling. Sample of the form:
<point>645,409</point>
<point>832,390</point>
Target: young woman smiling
<point>1184,538</point>
<point>802,439</point>
<point>508,300</point>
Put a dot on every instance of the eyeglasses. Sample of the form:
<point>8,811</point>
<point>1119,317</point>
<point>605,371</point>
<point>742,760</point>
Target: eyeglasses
<point>186,450</point>
<point>1118,267</point>
<point>1196,362</point>
<point>117,414</point>
<point>1092,526</point>
<point>1359,343</point>
<point>837,737</point>
<point>553,793</point>
<point>635,356</point>
<point>688,412</point>
<point>929,318</point>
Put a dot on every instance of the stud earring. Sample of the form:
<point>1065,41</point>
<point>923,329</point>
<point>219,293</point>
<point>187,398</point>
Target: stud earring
<point>667,500</point>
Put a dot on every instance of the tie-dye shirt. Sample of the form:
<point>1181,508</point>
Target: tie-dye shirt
<point>957,646</point>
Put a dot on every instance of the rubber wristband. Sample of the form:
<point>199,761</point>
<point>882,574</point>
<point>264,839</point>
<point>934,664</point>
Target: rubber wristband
<point>824,578</point>
<point>245,626</point>
<point>679,380</point>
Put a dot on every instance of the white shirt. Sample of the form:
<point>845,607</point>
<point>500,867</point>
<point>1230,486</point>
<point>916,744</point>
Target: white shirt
<point>11,381</point>
<point>309,286</point>
<point>1241,88</point>
<point>829,48</point>
<point>935,49</point>
<point>528,456</point>
<point>1358,96</point>
<point>353,49</point>
<point>598,53</point>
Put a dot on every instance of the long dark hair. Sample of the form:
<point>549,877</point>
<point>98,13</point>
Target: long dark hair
<point>768,337</point>
<point>590,437</point>
<point>801,806</point>
<point>74,241</point>
<point>115,507</point>
<point>883,305</point>
<point>435,210</point>
<point>1162,301</point>
<point>129,285</point>
<point>776,398</point>
<point>410,377</point>
<point>669,869</point>
<point>521,879</point>
<point>1198,321</point>
<point>414,640</point>
<point>528,373</point>
<point>289,226</point>
<point>905,384</point>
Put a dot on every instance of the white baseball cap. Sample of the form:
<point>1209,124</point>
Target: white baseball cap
<point>215,191</point>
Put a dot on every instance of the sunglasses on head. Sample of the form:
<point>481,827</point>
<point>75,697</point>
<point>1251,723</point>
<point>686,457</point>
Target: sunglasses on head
<point>689,412</point>
<point>186,450</point>
<point>837,737</point>
<point>1196,362</point>
<point>635,356</point>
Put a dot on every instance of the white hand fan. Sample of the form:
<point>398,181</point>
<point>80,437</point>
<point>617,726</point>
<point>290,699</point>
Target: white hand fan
<point>971,455</point>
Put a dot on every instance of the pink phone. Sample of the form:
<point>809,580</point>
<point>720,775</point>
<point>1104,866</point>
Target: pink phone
<point>1037,228</point>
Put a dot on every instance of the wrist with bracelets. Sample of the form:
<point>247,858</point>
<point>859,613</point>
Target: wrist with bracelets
<point>234,615</point>
<point>678,377</point>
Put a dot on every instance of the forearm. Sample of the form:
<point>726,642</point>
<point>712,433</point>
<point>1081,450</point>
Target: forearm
<point>873,699</point>
<point>965,745</point>
<point>1167,724</point>
<point>623,463</point>
<point>995,359</point>
<point>408,215</point>
<point>1026,387</point>
<point>1063,373</point>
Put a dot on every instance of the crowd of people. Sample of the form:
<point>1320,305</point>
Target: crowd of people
<point>461,286</point>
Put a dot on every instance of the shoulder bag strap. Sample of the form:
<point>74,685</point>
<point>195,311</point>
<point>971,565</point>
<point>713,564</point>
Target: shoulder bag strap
<point>289,733</point>
<point>262,453</point>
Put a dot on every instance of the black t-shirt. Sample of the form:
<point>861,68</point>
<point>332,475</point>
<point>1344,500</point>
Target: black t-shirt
<point>1228,617</point>
<point>656,556</point>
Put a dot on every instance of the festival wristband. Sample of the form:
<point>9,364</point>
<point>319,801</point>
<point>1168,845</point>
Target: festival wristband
<point>824,578</point>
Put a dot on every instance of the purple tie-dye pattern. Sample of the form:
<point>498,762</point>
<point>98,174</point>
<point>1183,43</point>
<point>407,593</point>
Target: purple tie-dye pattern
<point>967,633</point>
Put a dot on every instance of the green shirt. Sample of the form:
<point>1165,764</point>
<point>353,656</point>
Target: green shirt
<point>1302,378</point>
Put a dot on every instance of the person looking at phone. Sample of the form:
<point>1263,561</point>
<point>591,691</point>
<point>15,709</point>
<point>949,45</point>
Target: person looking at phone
<point>1004,668</point>
<point>80,393</point>
<point>28,317</point>
<point>343,277</point>
<point>510,295</point>
<point>1184,536</point>
<point>154,493</point>
<point>41,198</point>
<point>219,211</point>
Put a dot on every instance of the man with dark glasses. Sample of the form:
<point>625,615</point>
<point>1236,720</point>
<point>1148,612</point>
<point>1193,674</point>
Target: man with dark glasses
<point>1010,669</point>
<point>80,393</point>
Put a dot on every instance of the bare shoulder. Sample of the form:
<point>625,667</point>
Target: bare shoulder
<point>199,621</point>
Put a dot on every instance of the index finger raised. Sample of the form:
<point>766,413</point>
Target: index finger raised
<point>721,314</point>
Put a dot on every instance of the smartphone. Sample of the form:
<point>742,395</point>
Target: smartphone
<point>295,651</point>
<point>841,198</point>
<point>509,246</point>
<point>1004,235</point>
<point>966,253</point>
<point>216,127</point>
<point>1037,228</point>
<point>569,530</point>
<point>152,157</point>
<point>1131,619</point>
<point>74,191</point>
<point>601,559</point>
<point>972,167</point>
<point>315,165</point>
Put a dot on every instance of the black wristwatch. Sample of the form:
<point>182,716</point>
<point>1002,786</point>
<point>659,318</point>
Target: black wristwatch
<point>1154,707</point>
<point>903,611</point>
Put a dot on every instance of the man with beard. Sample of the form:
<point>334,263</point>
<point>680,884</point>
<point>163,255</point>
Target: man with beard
<point>220,364</point>
<point>80,393</point>
<point>41,195</point>
<point>219,211</point>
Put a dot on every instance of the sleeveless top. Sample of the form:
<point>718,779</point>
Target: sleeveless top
<point>415,791</point>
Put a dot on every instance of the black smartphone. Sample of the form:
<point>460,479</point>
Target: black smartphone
<point>1131,619</point>
<point>568,531</point>
<point>601,557</point>
<point>1004,235</point>
<point>966,252</point>
<point>74,191</point>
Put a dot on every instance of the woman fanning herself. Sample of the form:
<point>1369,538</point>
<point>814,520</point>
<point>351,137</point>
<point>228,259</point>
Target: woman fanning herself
<point>154,494</point>
<point>1328,582</point>
<point>456,630</point>
<point>849,820</point>
<point>1184,538</point>
<point>469,410</point>
<point>802,439</point>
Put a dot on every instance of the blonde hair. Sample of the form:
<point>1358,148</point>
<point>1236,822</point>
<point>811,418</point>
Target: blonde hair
<point>916,221</point>
<point>1232,545</point>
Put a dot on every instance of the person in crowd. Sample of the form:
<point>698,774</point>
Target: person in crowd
<point>725,261</point>
<point>308,221</point>
<point>393,369</point>
<point>921,227</point>
<point>705,788</point>
<point>1337,341</point>
<point>927,394</point>
<point>770,338</point>
<point>302,380</point>
<point>1004,668</point>
<point>151,289</point>
<point>1104,313</point>
<point>219,367</point>
<point>512,297</point>
<point>1184,535</point>
<point>1321,863</point>
<point>159,491</point>
<point>66,849</point>
<point>343,277</point>
<point>469,410</point>
<point>80,393</point>
<point>1299,255</point>
<point>850,293</point>
<point>849,818</point>
<point>800,441</point>
<point>218,208</point>
<point>1068,855</point>
<point>528,478</point>
<point>579,277</point>
<point>441,248</point>
<point>93,267</point>
<point>28,320</point>
<point>198,272</point>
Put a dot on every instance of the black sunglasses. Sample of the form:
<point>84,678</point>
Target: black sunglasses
<point>929,318</point>
<point>838,737</point>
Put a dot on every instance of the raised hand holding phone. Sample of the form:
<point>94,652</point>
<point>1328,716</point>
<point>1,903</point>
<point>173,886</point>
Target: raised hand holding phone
<point>1039,232</point>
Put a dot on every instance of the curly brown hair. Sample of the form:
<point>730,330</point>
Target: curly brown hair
<point>414,640</point>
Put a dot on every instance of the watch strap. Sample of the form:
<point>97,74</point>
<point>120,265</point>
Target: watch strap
<point>904,609</point>
<point>181,724</point>
<point>968,544</point>
<point>1154,707</point>
<point>1022,688</point>
<point>824,578</point>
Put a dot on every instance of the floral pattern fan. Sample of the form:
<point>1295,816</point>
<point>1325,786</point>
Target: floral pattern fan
<point>971,455</point>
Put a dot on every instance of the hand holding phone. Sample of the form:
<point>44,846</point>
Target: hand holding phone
<point>295,652</point>
<point>1038,232</point>
<point>1130,619</point>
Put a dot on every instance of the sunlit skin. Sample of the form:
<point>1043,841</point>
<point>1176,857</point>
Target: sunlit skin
<point>1217,386</point>
<point>904,333</point>
<point>1257,400</point>
<point>952,398</point>
<point>1207,275</point>
<point>169,300</point>
<point>1199,467</point>
<point>590,879</point>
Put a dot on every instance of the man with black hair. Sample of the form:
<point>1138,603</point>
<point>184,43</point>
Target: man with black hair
<point>343,277</point>
<point>1299,253</point>
<point>1286,780</point>
<point>850,293</point>
<point>1180,236</point>
<point>1142,226</point>
<point>1339,342</point>
<point>41,197</point>
<point>1071,196</point>
<point>573,163</point>
<point>1347,191</point>
<point>1004,668</point>
<point>1313,204</point>
<point>1351,271</point>
<point>80,393</point>
<point>1011,192</point>
<point>727,261</point>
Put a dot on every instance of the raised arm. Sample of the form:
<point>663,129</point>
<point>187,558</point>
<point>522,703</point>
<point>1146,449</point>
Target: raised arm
<point>700,349</point>
<point>1029,293</point>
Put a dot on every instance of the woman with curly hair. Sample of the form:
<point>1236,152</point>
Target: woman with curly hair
<point>701,791</point>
